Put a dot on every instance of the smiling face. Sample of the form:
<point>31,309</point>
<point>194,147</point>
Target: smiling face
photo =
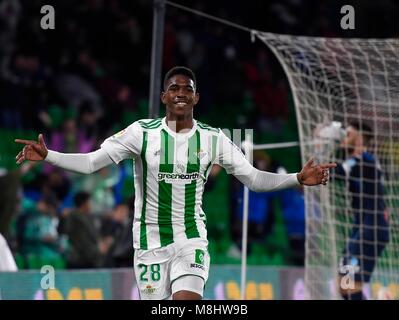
<point>180,96</point>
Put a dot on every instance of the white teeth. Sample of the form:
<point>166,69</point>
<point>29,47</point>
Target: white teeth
<point>181,103</point>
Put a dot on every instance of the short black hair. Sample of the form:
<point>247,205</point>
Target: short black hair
<point>364,129</point>
<point>50,200</point>
<point>80,198</point>
<point>179,70</point>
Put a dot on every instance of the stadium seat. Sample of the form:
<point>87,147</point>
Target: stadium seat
<point>56,262</point>
<point>37,262</point>
<point>277,260</point>
<point>33,262</point>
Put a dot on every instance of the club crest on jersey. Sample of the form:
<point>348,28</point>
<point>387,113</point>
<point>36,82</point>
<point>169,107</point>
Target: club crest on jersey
<point>201,154</point>
<point>180,168</point>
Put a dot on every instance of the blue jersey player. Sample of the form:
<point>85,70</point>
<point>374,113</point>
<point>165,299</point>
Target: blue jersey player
<point>370,233</point>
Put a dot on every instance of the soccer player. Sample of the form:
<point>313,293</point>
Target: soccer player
<point>370,233</point>
<point>173,157</point>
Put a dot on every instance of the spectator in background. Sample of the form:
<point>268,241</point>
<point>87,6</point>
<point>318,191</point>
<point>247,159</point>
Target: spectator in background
<point>87,250</point>
<point>70,137</point>
<point>100,185</point>
<point>260,209</point>
<point>57,184</point>
<point>10,14</point>
<point>87,126</point>
<point>40,235</point>
<point>75,91</point>
<point>293,206</point>
<point>118,226</point>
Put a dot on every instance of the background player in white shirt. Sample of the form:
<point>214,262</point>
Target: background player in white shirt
<point>173,157</point>
<point>7,262</point>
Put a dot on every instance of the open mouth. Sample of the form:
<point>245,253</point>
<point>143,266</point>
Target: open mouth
<point>181,103</point>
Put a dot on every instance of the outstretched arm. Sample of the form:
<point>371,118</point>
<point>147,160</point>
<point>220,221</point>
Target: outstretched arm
<point>310,175</point>
<point>233,160</point>
<point>77,162</point>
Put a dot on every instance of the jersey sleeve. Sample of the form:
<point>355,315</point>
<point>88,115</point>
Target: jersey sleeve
<point>230,157</point>
<point>125,144</point>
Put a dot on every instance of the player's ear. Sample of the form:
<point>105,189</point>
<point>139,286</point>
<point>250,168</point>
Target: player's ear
<point>196,99</point>
<point>163,97</point>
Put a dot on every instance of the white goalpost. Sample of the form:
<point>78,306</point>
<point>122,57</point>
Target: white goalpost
<point>342,80</point>
<point>336,81</point>
<point>248,147</point>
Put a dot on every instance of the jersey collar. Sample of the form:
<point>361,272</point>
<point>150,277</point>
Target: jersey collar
<point>174,134</point>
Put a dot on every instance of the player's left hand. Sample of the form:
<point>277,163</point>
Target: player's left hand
<point>313,174</point>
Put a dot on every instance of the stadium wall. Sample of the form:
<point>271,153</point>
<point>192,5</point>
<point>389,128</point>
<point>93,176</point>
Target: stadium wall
<point>263,283</point>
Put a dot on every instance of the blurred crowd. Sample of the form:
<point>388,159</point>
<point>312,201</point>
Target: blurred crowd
<point>89,78</point>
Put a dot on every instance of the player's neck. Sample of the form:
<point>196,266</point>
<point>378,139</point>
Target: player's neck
<point>179,123</point>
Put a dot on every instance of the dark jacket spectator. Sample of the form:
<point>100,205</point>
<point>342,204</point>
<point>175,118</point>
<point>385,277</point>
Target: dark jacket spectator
<point>119,227</point>
<point>86,247</point>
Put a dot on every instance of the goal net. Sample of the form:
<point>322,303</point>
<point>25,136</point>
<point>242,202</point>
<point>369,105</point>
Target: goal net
<point>334,82</point>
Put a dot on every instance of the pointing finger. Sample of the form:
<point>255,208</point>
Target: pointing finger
<point>26,142</point>
<point>328,165</point>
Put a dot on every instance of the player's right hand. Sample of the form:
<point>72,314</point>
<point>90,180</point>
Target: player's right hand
<point>34,151</point>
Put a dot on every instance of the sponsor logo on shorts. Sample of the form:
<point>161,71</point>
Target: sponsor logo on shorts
<point>196,265</point>
<point>148,289</point>
<point>198,260</point>
<point>199,256</point>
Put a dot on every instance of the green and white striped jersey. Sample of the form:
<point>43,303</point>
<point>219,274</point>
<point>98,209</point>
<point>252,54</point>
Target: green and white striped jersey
<point>170,172</point>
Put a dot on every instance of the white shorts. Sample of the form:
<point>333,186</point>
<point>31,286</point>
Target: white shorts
<point>157,269</point>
